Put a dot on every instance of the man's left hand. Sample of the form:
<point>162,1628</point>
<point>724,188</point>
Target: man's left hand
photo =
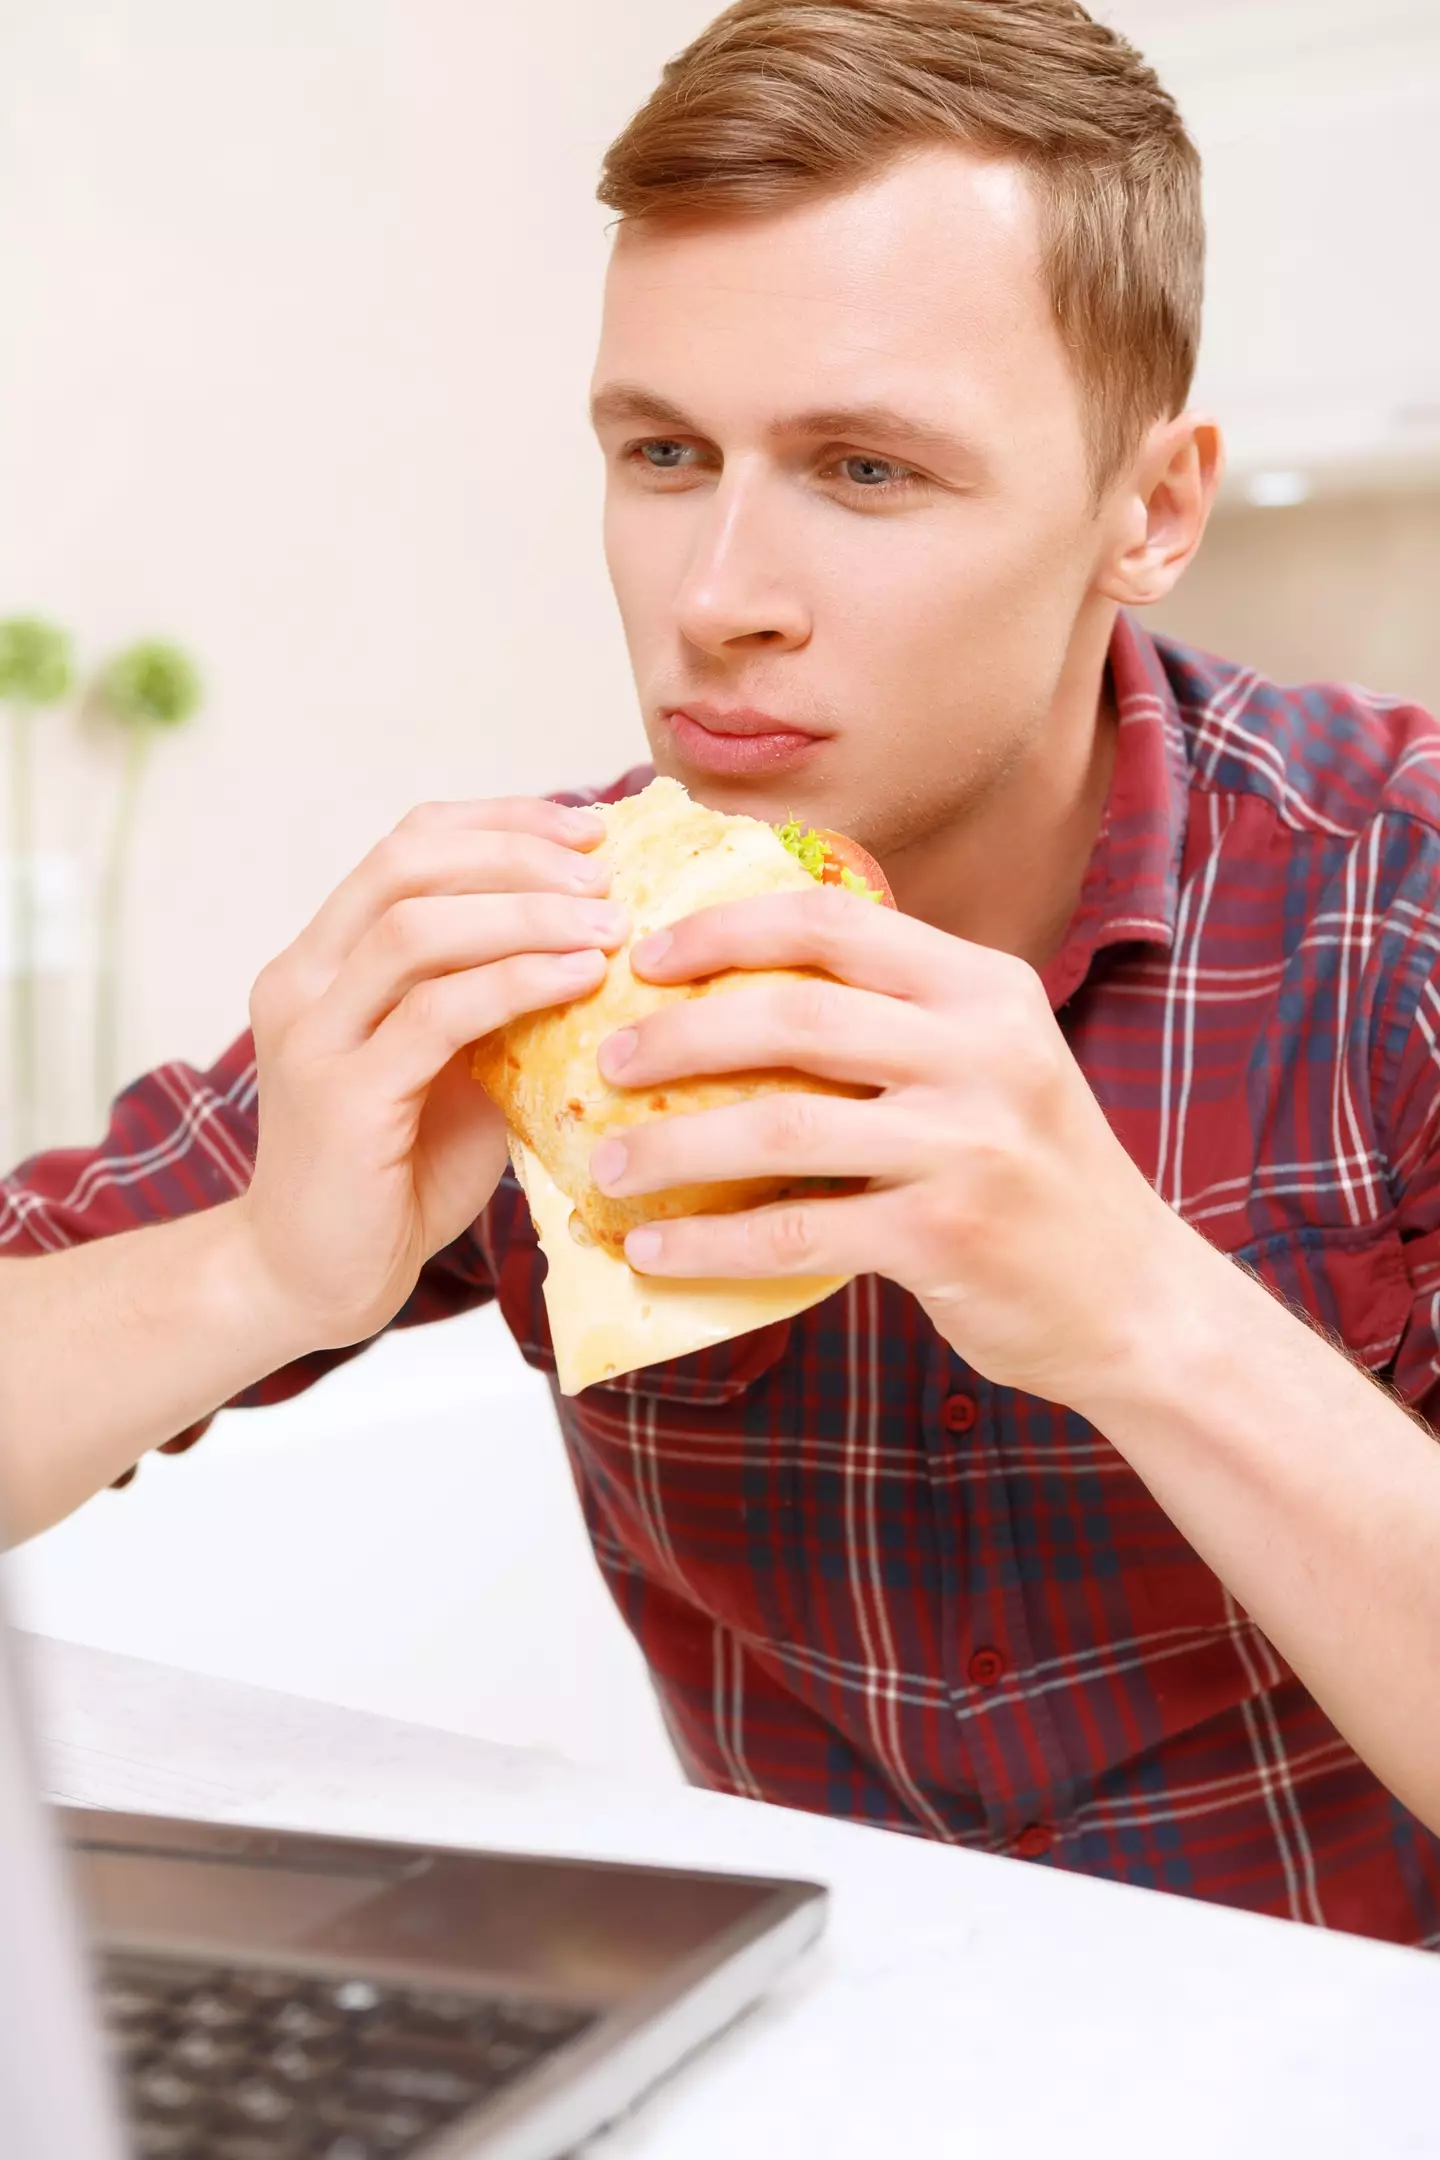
<point>998,1193</point>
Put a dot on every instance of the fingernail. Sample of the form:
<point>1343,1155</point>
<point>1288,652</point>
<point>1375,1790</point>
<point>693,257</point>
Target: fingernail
<point>642,1246</point>
<point>607,1163</point>
<point>652,949</point>
<point>617,1050</point>
<point>583,823</point>
<point>606,919</point>
<point>591,870</point>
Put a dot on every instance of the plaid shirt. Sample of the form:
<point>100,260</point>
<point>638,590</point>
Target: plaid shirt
<point>871,1583</point>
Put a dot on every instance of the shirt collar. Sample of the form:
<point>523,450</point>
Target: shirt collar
<point>1132,885</point>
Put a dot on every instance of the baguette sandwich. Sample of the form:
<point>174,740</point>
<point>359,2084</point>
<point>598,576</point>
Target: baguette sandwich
<point>669,856</point>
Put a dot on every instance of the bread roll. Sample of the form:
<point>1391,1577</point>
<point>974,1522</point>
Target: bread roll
<point>669,856</point>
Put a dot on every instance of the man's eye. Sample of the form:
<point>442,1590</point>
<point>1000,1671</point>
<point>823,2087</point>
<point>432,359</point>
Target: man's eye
<point>872,472</point>
<point>662,454</point>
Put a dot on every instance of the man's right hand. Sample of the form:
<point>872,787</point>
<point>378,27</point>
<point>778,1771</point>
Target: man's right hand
<point>376,1147</point>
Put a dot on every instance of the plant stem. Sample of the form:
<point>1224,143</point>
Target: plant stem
<point>111,926</point>
<point>24,1064</point>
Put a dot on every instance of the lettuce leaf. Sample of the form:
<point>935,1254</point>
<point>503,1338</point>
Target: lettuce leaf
<point>806,846</point>
<point>809,850</point>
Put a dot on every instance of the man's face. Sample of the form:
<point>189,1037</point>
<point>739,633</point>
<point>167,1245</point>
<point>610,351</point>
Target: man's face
<point>849,518</point>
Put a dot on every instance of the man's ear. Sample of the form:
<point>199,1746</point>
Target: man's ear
<point>1161,509</point>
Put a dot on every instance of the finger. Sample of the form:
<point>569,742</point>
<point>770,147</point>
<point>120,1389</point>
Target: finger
<point>441,1016</point>
<point>815,1025</point>
<point>420,939</point>
<point>517,844</point>
<point>843,1236</point>
<point>871,947</point>
<point>782,1134</point>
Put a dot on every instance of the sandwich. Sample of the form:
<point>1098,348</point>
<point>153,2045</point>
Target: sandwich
<point>669,856</point>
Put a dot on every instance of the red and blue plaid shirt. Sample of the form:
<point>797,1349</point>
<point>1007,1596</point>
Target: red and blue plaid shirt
<point>871,1583</point>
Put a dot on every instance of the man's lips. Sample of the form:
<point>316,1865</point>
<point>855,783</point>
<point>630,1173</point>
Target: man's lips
<point>737,739</point>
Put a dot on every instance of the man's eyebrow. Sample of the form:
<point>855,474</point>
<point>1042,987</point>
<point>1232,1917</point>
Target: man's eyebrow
<point>880,423</point>
<point>621,402</point>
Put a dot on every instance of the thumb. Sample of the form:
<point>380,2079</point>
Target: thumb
<point>460,1152</point>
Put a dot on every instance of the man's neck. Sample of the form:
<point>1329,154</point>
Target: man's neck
<point>1009,873</point>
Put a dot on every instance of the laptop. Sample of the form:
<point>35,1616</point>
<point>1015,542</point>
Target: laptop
<point>174,1990</point>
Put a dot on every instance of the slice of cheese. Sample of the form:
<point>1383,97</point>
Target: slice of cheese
<point>606,1320</point>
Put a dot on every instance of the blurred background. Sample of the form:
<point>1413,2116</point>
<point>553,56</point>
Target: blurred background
<point>299,302</point>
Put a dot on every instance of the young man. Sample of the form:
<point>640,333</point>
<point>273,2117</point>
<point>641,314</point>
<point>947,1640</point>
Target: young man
<point>1056,1532</point>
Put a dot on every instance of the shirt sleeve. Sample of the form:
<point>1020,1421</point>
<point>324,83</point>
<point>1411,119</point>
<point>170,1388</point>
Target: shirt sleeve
<point>178,1141</point>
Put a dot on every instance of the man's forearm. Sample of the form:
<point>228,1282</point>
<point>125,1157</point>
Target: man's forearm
<point>113,1347</point>
<point>1313,1496</point>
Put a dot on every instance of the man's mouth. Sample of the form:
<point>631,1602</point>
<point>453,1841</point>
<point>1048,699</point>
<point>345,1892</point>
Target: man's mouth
<point>737,739</point>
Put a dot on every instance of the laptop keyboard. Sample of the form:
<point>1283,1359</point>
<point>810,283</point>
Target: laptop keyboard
<point>229,2062</point>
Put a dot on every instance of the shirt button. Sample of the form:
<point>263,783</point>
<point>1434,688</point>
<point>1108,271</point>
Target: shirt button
<point>1034,1841</point>
<point>986,1666</point>
<point>959,1412</point>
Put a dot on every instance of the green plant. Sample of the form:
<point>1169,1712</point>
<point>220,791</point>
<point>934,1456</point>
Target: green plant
<point>145,690</point>
<point>35,671</point>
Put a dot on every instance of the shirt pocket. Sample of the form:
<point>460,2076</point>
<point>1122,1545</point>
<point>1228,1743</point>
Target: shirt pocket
<point>714,1376</point>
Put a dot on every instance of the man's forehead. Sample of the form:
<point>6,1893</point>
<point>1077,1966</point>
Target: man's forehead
<point>858,298</point>
<point>931,220</point>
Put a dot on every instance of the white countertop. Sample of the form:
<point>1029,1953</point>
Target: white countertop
<point>959,2004</point>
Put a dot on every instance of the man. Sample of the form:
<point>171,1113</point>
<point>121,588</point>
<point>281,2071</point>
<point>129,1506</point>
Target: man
<point>1057,1532</point>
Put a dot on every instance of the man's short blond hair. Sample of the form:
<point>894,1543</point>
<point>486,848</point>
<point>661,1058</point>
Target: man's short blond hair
<point>783,99</point>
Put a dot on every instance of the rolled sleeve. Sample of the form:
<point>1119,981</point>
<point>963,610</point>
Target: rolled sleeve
<point>180,1140</point>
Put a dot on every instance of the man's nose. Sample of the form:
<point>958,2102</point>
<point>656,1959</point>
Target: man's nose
<point>739,588</point>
